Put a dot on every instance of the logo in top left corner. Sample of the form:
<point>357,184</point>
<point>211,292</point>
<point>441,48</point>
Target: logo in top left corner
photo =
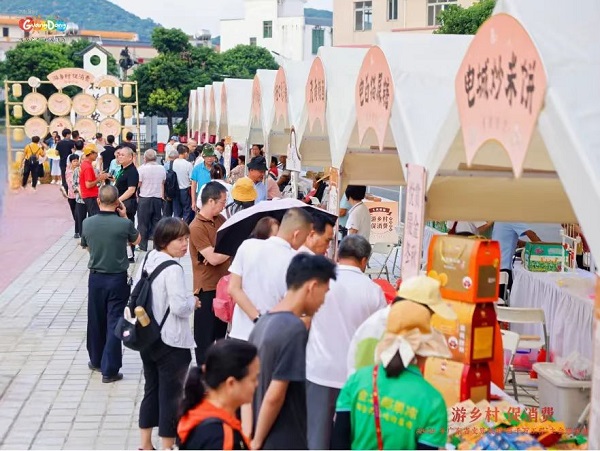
<point>50,25</point>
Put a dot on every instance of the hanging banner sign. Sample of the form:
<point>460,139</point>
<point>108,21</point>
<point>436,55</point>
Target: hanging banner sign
<point>281,96</point>
<point>315,97</point>
<point>500,89</point>
<point>414,221</point>
<point>374,95</point>
<point>294,159</point>
<point>227,153</point>
<point>71,76</point>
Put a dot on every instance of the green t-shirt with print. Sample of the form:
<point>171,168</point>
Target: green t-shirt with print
<point>411,410</point>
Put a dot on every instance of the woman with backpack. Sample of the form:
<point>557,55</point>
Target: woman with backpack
<point>167,360</point>
<point>213,395</point>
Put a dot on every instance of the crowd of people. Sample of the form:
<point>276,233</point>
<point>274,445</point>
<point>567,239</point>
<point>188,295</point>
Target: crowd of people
<point>276,376</point>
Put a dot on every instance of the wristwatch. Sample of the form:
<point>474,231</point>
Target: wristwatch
<point>255,320</point>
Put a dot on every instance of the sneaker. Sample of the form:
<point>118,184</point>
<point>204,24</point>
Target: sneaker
<point>109,379</point>
<point>76,236</point>
<point>53,182</point>
<point>131,260</point>
<point>141,249</point>
<point>63,192</point>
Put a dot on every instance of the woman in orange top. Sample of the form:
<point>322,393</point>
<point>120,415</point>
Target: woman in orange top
<point>208,419</point>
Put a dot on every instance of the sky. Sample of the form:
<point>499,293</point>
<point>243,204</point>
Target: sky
<point>195,15</point>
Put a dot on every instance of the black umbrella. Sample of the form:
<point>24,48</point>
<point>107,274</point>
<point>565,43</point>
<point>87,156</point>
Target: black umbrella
<point>238,228</point>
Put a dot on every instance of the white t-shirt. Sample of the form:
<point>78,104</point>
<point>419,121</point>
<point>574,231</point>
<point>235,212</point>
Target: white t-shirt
<point>359,218</point>
<point>351,299</point>
<point>227,186</point>
<point>183,169</point>
<point>262,265</point>
<point>152,179</point>
<point>462,227</point>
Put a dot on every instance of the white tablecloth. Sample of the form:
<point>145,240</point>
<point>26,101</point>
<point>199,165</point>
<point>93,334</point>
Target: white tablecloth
<point>565,298</point>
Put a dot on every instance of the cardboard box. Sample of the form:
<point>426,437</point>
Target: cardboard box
<point>457,381</point>
<point>470,337</point>
<point>543,257</point>
<point>467,268</point>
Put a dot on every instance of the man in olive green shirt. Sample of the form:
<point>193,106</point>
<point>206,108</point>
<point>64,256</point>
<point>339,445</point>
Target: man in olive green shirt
<point>106,235</point>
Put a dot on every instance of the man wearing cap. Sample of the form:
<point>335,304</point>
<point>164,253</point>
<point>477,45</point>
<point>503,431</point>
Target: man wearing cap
<point>88,180</point>
<point>201,173</point>
<point>351,299</point>
<point>171,145</point>
<point>256,172</point>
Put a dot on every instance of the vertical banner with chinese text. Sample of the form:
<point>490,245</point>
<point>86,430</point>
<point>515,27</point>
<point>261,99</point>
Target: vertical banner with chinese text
<point>414,222</point>
<point>227,154</point>
<point>333,206</point>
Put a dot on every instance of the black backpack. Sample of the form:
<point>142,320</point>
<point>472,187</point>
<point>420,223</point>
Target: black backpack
<point>133,335</point>
<point>171,183</point>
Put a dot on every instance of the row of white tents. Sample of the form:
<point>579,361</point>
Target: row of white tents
<point>558,176</point>
<point>560,180</point>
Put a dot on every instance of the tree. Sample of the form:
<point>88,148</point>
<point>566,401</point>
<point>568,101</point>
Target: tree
<point>458,20</point>
<point>243,61</point>
<point>170,40</point>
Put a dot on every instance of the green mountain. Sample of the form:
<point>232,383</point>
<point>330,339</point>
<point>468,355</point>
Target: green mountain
<point>90,15</point>
<point>318,13</point>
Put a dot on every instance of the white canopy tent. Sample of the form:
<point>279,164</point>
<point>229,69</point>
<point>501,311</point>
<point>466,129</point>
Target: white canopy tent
<point>263,107</point>
<point>206,113</point>
<point>197,125</point>
<point>372,160</point>
<point>192,112</point>
<point>329,123</point>
<point>236,102</point>
<point>215,110</point>
<point>560,169</point>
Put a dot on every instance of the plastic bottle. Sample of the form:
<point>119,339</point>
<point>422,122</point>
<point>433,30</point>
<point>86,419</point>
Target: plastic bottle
<point>142,316</point>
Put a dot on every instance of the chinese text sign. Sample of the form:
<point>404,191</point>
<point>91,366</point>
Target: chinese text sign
<point>414,222</point>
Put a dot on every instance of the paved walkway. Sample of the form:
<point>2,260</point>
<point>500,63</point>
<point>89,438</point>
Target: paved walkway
<point>49,399</point>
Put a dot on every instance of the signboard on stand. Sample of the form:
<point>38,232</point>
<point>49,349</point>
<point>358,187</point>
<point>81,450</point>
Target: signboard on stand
<point>294,159</point>
<point>333,206</point>
<point>384,221</point>
<point>414,223</point>
<point>500,89</point>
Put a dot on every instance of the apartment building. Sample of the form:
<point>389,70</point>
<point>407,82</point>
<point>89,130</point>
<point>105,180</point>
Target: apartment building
<point>356,23</point>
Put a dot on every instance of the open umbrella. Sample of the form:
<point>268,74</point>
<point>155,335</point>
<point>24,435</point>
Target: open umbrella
<point>236,229</point>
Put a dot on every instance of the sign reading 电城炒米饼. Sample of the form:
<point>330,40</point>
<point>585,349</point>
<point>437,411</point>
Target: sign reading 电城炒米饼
<point>500,89</point>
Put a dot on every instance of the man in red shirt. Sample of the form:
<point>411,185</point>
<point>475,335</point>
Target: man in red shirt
<point>89,181</point>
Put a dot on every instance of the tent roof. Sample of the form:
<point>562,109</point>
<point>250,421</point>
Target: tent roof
<point>239,102</point>
<point>200,112</point>
<point>266,78</point>
<point>567,40</point>
<point>215,113</point>
<point>341,69</point>
<point>296,75</point>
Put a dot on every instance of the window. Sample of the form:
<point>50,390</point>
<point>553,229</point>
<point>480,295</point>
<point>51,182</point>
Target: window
<point>268,29</point>
<point>5,32</point>
<point>392,9</point>
<point>363,16</point>
<point>318,39</point>
<point>252,41</point>
<point>433,9</point>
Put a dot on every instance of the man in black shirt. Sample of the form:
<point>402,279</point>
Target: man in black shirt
<point>129,142</point>
<point>281,337</point>
<point>126,182</point>
<point>109,152</point>
<point>64,148</point>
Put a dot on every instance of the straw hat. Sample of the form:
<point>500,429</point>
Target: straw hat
<point>426,291</point>
<point>408,334</point>
<point>324,175</point>
<point>243,190</point>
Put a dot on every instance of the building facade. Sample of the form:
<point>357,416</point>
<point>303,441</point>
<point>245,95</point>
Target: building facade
<point>356,23</point>
<point>280,26</point>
